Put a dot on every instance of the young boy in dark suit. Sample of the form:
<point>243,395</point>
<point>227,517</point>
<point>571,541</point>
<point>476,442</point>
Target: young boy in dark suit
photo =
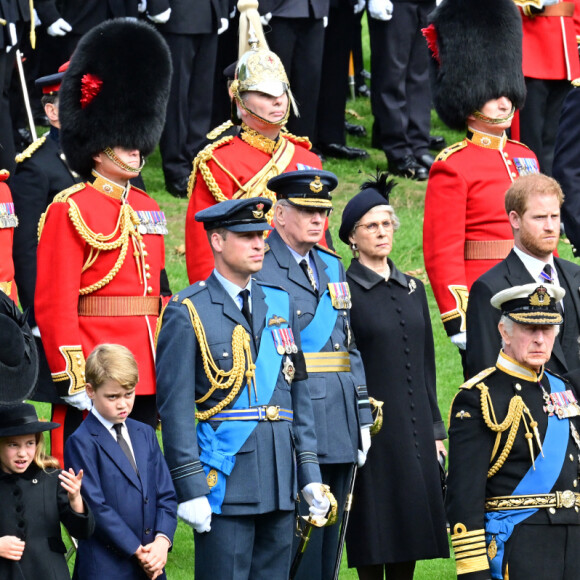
<point>127,483</point>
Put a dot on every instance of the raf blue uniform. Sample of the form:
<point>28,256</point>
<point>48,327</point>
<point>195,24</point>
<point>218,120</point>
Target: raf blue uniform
<point>129,509</point>
<point>339,399</point>
<point>260,491</point>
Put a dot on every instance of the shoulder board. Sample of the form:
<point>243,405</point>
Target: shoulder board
<point>448,151</point>
<point>326,250</point>
<point>4,174</point>
<point>66,193</point>
<point>215,133</point>
<point>189,291</point>
<point>551,372</point>
<point>518,143</point>
<point>31,149</point>
<point>303,141</point>
<point>477,378</point>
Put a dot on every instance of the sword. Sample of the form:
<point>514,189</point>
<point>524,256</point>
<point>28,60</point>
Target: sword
<point>304,525</point>
<point>25,95</point>
<point>344,523</point>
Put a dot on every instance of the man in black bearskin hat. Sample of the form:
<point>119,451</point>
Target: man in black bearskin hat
<point>466,230</point>
<point>101,251</point>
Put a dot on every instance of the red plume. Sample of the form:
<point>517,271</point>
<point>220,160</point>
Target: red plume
<point>90,88</point>
<point>430,34</point>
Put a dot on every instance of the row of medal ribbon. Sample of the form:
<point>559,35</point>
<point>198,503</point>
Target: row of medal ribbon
<point>8,218</point>
<point>152,222</point>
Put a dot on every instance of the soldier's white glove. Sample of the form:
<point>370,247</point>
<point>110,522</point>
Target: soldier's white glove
<point>381,9</point>
<point>324,21</point>
<point>459,340</point>
<point>196,513</point>
<point>265,18</point>
<point>224,25</point>
<point>233,12</point>
<point>359,6</point>
<point>161,18</point>
<point>79,401</point>
<point>37,21</point>
<point>142,6</point>
<point>437,2</point>
<point>59,28</point>
<point>365,437</point>
<point>316,499</point>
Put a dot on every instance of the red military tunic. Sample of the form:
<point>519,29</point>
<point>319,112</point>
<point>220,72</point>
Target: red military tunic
<point>8,221</point>
<point>549,44</point>
<point>466,230</point>
<point>77,272</point>
<point>232,168</point>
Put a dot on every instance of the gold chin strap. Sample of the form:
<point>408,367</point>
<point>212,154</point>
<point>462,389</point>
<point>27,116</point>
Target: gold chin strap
<point>491,120</point>
<point>279,123</point>
<point>117,161</point>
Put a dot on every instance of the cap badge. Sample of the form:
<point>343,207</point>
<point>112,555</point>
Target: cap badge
<point>316,185</point>
<point>259,211</point>
<point>540,297</point>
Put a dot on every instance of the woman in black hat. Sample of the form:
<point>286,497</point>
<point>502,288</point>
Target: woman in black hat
<point>35,497</point>
<point>397,517</point>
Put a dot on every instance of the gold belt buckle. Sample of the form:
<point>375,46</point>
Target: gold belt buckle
<point>273,413</point>
<point>565,499</point>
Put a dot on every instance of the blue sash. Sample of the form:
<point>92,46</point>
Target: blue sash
<point>219,446</point>
<point>541,480</point>
<point>317,333</point>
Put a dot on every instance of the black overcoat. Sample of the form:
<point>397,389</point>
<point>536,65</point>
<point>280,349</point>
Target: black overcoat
<point>32,507</point>
<point>397,512</point>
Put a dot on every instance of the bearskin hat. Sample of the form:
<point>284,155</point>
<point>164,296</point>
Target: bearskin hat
<point>114,93</point>
<point>476,50</point>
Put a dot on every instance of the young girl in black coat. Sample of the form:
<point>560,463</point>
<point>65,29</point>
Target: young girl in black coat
<point>35,497</point>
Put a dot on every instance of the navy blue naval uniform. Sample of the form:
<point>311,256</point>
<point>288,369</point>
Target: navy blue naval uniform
<point>339,399</point>
<point>252,536</point>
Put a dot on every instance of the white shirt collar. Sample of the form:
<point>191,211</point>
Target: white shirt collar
<point>535,266</point>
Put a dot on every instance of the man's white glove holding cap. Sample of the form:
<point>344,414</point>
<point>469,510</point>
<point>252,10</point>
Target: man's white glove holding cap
<point>196,513</point>
<point>59,28</point>
<point>80,401</point>
<point>316,498</point>
<point>160,18</point>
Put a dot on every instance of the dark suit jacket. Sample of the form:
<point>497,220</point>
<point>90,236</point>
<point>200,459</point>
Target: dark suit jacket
<point>483,338</point>
<point>265,473</point>
<point>129,510</point>
<point>190,17</point>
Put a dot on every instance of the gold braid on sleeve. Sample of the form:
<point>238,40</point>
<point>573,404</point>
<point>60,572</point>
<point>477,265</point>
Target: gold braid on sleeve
<point>126,223</point>
<point>512,420</point>
<point>242,365</point>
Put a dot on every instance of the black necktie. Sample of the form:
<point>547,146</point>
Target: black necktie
<point>309,273</point>
<point>547,274</point>
<point>125,446</point>
<point>245,295</point>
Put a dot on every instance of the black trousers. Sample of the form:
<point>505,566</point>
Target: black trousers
<point>190,102</point>
<point>400,95</point>
<point>299,42</point>
<point>334,78</point>
<point>540,117</point>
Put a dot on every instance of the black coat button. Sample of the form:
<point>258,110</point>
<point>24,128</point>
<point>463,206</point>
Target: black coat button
<point>147,531</point>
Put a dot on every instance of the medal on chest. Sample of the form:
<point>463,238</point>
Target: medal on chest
<point>340,295</point>
<point>8,218</point>
<point>152,222</point>
<point>284,340</point>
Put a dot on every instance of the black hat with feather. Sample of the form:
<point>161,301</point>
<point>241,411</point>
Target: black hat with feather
<point>476,49</point>
<point>375,191</point>
<point>114,93</point>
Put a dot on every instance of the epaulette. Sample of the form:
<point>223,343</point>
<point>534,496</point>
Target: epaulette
<point>478,378</point>
<point>557,375</point>
<point>189,291</point>
<point>448,151</point>
<point>200,165</point>
<point>322,248</point>
<point>4,174</point>
<point>215,133</point>
<point>304,141</point>
<point>66,193</point>
<point>518,143</point>
<point>269,285</point>
<point>31,149</point>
